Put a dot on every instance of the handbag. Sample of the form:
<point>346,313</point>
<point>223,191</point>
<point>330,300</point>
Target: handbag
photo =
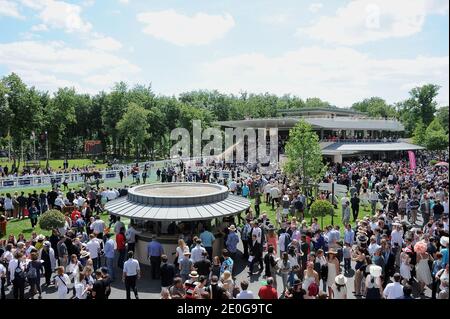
<point>63,281</point>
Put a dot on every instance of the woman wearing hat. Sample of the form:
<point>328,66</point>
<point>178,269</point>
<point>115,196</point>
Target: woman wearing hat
<point>333,270</point>
<point>340,287</point>
<point>227,283</point>
<point>190,284</point>
<point>374,288</point>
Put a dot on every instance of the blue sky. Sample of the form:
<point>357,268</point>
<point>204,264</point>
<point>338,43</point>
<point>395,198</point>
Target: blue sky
<point>340,51</point>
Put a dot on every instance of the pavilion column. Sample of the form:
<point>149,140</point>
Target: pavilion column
<point>321,134</point>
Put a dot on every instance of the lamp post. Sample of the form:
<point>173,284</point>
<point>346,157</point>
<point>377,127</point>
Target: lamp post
<point>46,147</point>
<point>33,137</point>
<point>9,130</point>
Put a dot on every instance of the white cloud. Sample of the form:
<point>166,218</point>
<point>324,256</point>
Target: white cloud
<point>39,27</point>
<point>59,15</point>
<point>124,1</point>
<point>104,43</point>
<point>315,7</point>
<point>341,76</point>
<point>10,9</point>
<point>362,21</point>
<point>88,3</point>
<point>49,65</point>
<point>276,19</point>
<point>180,29</point>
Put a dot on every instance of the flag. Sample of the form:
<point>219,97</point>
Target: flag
<point>412,160</point>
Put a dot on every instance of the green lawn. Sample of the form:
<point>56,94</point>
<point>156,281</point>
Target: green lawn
<point>16,227</point>
<point>337,219</point>
<point>55,164</point>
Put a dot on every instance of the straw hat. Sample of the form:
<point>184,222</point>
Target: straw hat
<point>340,280</point>
<point>193,274</point>
<point>84,254</point>
<point>232,228</point>
<point>375,270</point>
<point>40,237</point>
<point>332,251</point>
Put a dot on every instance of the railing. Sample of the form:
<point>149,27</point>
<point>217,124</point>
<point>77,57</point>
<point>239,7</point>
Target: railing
<point>73,177</point>
<point>360,140</point>
<point>58,178</point>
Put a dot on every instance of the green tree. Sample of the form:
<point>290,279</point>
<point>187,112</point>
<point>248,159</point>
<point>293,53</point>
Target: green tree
<point>134,125</point>
<point>304,156</point>
<point>63,120</point>
<point>419,134</point>
<point>375,107</point>
<point>435,137</point>
<point>321,208</point>
<point>115,106</point>
<point>52,219</point>
<point>442,116</point>
<point>315,102</point>
<point>420,105</point>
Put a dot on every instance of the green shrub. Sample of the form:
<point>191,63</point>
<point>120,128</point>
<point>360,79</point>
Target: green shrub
<point>321,208</point>
<point>51,219</point>
<point>433,162</point>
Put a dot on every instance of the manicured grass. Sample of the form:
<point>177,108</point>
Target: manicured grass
<point>15,227</point>
<point>55,164</point>
<point>327,220</point>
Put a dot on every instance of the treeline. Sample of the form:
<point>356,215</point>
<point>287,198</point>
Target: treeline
<point>134,121</point>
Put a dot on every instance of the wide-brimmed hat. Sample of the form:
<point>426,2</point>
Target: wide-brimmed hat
<point>232,228</point>
<point>375,270</point>
<point>47,244</point>
<point>84,254</point>
<point>193,274</point>
<point>444,241</point>
<point>340,280</point>
<point>332,251</point>
<point>40,237</point>
<point>362,239</point>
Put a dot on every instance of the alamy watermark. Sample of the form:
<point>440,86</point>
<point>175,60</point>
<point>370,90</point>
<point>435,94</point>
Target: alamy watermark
<point>233,145</point>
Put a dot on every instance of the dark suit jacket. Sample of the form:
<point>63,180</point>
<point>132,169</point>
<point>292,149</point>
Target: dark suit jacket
<point>256,249</point>
<point>167,274</point>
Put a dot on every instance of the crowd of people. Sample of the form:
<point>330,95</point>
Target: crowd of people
<point>392,241</point>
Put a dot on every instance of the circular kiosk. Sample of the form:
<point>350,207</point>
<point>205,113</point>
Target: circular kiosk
<point>177,210</point>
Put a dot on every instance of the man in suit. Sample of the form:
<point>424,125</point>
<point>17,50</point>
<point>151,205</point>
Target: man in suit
<point>256,252</point>
<point>167,272</point>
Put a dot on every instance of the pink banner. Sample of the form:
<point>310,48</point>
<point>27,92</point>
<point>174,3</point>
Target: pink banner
<point>412,160</point>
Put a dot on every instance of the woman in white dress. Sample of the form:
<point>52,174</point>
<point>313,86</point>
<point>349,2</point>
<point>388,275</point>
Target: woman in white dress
<point>333,271</point>
<point>364,197</point>
<point>310,276</point>
<point>81,287</point>
<point>423,272</point>
<point>405,267</point>
<point>73,271</point>
<point>340,287</point>
<point>8,205</point>
<point>181,249</point>
<point>62,282</point>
